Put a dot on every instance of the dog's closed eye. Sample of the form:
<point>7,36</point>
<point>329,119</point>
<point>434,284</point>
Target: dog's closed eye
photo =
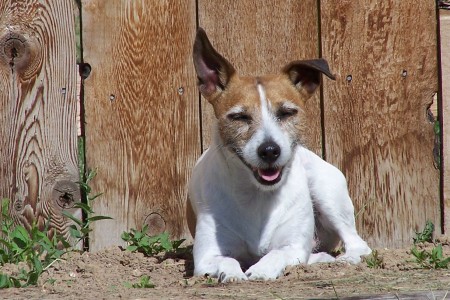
<point>286,112</point>
<point>240,116</point>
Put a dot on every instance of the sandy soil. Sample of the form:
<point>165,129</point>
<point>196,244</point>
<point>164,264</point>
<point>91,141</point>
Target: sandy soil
<point>109,273</point>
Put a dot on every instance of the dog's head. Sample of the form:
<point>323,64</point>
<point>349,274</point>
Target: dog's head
<point>260,119</point>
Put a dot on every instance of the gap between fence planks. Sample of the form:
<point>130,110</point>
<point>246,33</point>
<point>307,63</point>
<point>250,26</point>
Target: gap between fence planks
<point>38,150</point>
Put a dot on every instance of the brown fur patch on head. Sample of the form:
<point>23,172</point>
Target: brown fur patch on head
<point>287,104</point>
<point>284,96</point>
<point>236,129</point>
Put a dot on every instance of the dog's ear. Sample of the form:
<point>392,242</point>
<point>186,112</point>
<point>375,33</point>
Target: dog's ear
<point>213,70</point>
<point>305,74</point>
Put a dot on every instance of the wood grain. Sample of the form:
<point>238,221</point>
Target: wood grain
<point>445,69</point>
<point>260,38</point>
<point>142,113</point>
<point>404,296</point>
<point>376,125</point>
<point>38,138</point>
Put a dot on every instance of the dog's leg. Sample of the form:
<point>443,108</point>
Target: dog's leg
<point>334,208</point>
<point>210,257</point>
<point>336,223</point>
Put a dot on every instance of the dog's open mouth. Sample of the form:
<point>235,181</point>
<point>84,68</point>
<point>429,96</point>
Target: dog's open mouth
<point>269,176</point>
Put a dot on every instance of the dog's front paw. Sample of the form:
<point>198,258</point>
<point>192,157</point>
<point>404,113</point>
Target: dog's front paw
<point>232,277</point>
<point>353,256</point>
<point>350,259</point>
<point>320,257</point>
<point>262,272</point>
<point>230,271</point>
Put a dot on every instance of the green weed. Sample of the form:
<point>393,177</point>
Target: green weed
<point>433,259</point>
<point>429,259</point>
<point>209,281</point>
<point>144,283</point>
<point>140,241</point>
<point>374,260</point>
<point>81,228</point>
<point>33,247</point>
<point>426,235</point>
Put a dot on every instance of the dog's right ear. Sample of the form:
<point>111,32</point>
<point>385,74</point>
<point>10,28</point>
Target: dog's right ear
<point>305,74</point>
<point>213,70</point>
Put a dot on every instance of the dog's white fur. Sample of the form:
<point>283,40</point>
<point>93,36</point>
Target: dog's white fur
<point>241,223</point>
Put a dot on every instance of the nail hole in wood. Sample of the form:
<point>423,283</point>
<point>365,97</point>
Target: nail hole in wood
<point>404,73</point>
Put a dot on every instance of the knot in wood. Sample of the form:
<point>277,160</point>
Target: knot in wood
<point>14,51</point>
<point>156,224</point>
<point>18,205</point>
<point>66,193</point>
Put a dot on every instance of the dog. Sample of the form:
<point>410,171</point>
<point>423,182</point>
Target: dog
<point>258,200</point>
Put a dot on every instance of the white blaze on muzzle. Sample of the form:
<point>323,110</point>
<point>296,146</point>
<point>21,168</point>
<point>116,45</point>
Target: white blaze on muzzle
<point>269,134</point>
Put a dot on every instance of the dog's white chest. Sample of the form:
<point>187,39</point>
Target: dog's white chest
<point>259,220</point>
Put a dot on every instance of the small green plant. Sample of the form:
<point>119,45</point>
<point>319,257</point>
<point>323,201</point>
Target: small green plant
<point>433,259</point>
<point>140,241</point>
<point>144,283</point>
<point>80,230</point>
<point>211,281</point>
<point>32,246</point>
<point>426,235</point>
<point>374,260</point>
<point>429,259</point>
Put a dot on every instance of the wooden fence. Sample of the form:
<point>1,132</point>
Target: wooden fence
<point>145,123</point>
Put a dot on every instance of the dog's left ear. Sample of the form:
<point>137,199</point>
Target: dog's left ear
<point>213,70</point>
<point>305,74</point>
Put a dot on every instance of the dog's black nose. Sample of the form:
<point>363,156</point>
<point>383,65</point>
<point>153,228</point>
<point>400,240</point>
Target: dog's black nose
<point>269,151</point>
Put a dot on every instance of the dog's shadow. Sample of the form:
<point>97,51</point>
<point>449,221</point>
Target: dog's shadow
<point>185,254</point>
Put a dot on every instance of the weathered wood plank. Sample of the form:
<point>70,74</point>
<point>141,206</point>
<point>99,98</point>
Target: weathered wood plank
<point>259,39</point>
<point>435,295</point>
<point>445,67</point>
<point>142,113</point>
<point>376,125</point>
<point>38,137</point>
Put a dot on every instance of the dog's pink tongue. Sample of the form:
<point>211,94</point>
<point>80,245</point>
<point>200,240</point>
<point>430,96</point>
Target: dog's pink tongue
<point>269,174</point>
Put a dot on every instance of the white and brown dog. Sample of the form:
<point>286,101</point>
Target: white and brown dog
<point>258,199</point>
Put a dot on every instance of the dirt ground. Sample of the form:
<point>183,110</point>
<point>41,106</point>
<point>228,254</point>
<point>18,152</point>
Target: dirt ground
<point>105,274</point>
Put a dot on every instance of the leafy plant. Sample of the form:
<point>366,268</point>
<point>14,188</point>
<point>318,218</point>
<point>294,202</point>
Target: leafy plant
<point>140,241</point>
<point>144,283</point>
<point>426,235</point>
<point>374,260</point>
<point>80,230</point>
<point>430,259</point>
<point>433,259</point>
<point>33,247</point>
